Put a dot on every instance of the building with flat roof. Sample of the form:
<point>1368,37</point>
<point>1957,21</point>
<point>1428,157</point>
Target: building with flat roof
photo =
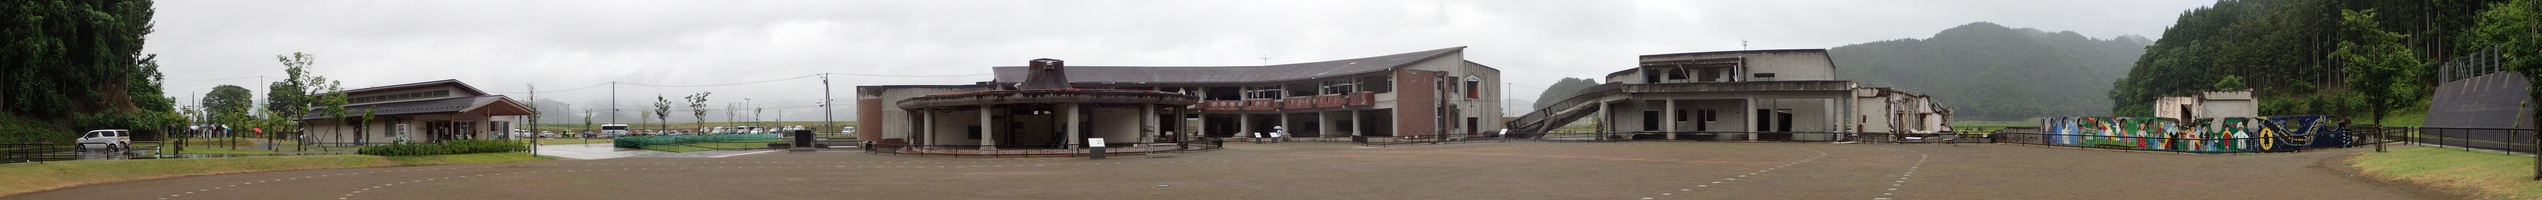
<point>1433,93</point>
<point>1739,95</point>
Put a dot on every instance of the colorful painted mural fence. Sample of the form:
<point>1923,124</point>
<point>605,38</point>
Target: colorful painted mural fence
<point>2215,135</point>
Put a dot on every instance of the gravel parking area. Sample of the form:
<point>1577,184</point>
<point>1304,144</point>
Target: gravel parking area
<point>1522,170</point>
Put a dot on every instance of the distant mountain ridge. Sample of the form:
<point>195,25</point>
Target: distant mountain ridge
<point>1987,71</point>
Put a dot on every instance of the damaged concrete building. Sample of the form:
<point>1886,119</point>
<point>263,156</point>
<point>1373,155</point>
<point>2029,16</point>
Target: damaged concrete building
<point>1433,93</point>
<point>1739,95</point>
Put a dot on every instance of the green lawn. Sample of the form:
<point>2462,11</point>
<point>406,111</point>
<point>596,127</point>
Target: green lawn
<point>2486,175</point>
<point>32,177</point>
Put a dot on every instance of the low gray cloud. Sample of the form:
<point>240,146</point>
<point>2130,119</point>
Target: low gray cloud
<point>505,45</point>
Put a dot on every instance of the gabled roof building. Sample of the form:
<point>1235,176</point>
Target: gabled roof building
<point>429,111</point>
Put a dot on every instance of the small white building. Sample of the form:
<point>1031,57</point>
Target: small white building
<point>2210,104</point>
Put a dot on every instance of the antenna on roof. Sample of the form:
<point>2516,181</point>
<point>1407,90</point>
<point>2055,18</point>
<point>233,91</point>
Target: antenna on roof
<point>1266,60</point>
<point>1743,44</point>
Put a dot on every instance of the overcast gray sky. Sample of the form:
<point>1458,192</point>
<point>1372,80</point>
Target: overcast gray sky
<point>503,46</point>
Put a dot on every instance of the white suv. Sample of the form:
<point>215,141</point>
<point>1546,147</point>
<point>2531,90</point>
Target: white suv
<point>108,139</point>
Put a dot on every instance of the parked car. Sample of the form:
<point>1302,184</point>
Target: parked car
<point>614,130</point>
<point>546,134</point>
<point>106,139</point>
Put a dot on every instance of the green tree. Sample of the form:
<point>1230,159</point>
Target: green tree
<point>662,110</point>
<point>2229,82</point>
<point>62,57</point>
<point>2378,66</point>
<point>533,108</point>
<point>587,120</point>
<point>697,107</point>
<point>363,135</point>
<point>227,103</point>
<point>290,98</point>
<point>332,103</point>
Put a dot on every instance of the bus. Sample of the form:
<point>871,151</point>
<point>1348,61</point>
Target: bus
<point>613,130</point>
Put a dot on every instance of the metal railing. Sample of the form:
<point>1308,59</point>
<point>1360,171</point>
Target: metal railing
<point>26,152</point>
<point>2498,139</point>
<point>1021,151</point>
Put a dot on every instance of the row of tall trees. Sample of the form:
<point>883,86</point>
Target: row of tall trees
<point>76,65</point>
<point>2352,58</point>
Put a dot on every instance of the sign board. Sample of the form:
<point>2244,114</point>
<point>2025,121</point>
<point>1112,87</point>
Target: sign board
<point>1094,142</point>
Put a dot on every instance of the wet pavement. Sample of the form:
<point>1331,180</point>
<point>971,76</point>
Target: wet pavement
<point>606,151</point>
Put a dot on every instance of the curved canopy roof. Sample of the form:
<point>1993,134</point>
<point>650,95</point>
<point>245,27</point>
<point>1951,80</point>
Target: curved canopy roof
<point>1232,74</point>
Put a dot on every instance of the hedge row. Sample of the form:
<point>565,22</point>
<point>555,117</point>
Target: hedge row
<point>641,141</point>
<point>444,148</point>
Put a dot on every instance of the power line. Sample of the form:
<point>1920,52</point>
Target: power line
<point>886,75</point>
<point>726,84</point>
<point>563,90</point>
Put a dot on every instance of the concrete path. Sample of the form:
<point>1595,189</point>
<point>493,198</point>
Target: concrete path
<point>604,151</point>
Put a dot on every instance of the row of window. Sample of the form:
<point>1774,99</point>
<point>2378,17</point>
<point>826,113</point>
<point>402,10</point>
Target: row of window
<point>399,96</point>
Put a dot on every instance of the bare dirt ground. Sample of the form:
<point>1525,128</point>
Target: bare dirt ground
<point>1638,170</point>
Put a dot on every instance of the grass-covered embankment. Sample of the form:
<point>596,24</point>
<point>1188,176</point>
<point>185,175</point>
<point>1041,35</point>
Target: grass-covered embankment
<point>31,177</point>
<point>2486,175</point>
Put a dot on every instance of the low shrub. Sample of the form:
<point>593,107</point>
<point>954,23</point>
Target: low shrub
<point>446,148</point>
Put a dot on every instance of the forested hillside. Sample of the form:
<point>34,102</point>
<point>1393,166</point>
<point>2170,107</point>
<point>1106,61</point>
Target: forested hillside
<point>2285,50</point>
<point>74,65</point>
<point>1991,72</point>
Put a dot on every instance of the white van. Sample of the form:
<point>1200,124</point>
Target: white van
<point>107,139</point>
<point>613,130</point>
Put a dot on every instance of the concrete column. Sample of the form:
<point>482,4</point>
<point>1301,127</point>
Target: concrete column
<point>1244,125</point>
<point>1356,125</point>
<point>926,127</point>
<point>1669,115</point>
<point>1606,120</point>
<point>1147,122</point>
<point>1323,124</point>
<point>1201,128</point>
<point>1074,111</point>
<point>1752,124</point>
<point>1285,125</point>
<point>988,128</point>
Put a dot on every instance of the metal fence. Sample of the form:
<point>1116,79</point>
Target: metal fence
<point>26,152</point>
<point>2498,139</point>
<point>1019,151</point>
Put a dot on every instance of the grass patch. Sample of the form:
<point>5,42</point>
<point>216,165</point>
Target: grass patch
<point>470,158</point>
<point>2480,174</point>
<point>32,177</point>
<point>676,148</point>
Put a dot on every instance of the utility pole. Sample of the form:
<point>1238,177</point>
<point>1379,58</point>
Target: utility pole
<point>826,120</point>
<point>613,102</point>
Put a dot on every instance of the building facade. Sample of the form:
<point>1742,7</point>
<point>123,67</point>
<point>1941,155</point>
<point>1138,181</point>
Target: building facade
<point>429,111</point>
<point>1434,93</point>
<point>1739,95</point>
